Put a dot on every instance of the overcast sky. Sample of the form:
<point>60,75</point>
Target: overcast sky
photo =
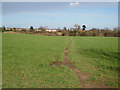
<point>60,14</point>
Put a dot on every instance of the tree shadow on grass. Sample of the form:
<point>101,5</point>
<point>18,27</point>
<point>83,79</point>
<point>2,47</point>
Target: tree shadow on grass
<point>102,55</point>
<point>96,53</point>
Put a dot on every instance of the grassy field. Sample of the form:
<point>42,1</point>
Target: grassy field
<point>0,60</point>
<point>97,57</point>
<point>27,58</point>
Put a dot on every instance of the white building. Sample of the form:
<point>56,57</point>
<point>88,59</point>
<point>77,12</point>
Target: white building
<point>51,30</point>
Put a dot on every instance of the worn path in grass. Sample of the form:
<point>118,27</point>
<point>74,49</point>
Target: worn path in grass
<point>83,79</point>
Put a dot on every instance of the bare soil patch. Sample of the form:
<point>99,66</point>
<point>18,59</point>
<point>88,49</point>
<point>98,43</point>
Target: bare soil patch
<point>83,79</point>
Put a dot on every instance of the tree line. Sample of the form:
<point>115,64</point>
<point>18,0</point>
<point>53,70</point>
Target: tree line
<point>77,30</point>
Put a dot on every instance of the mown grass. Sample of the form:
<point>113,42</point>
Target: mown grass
<point>97,57</point>
<point>27,58</point>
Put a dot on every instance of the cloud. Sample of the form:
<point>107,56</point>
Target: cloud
<point>74,4</point>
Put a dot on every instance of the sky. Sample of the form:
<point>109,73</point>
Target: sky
<point>60,14</point>
<point>59,0</point>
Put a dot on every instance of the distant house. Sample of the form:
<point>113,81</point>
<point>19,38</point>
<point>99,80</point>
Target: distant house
<point>8,28</point>
<point>52,30</point>
<point>18,29</point>
<point>37,30</point>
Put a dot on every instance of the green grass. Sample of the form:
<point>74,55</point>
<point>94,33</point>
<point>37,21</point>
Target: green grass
<point>26,61</point>
<point>97,57</point>
<point>0,60</point>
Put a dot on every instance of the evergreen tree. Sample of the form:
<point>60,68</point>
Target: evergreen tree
<point>31,28</point>
<point>83,27</point>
